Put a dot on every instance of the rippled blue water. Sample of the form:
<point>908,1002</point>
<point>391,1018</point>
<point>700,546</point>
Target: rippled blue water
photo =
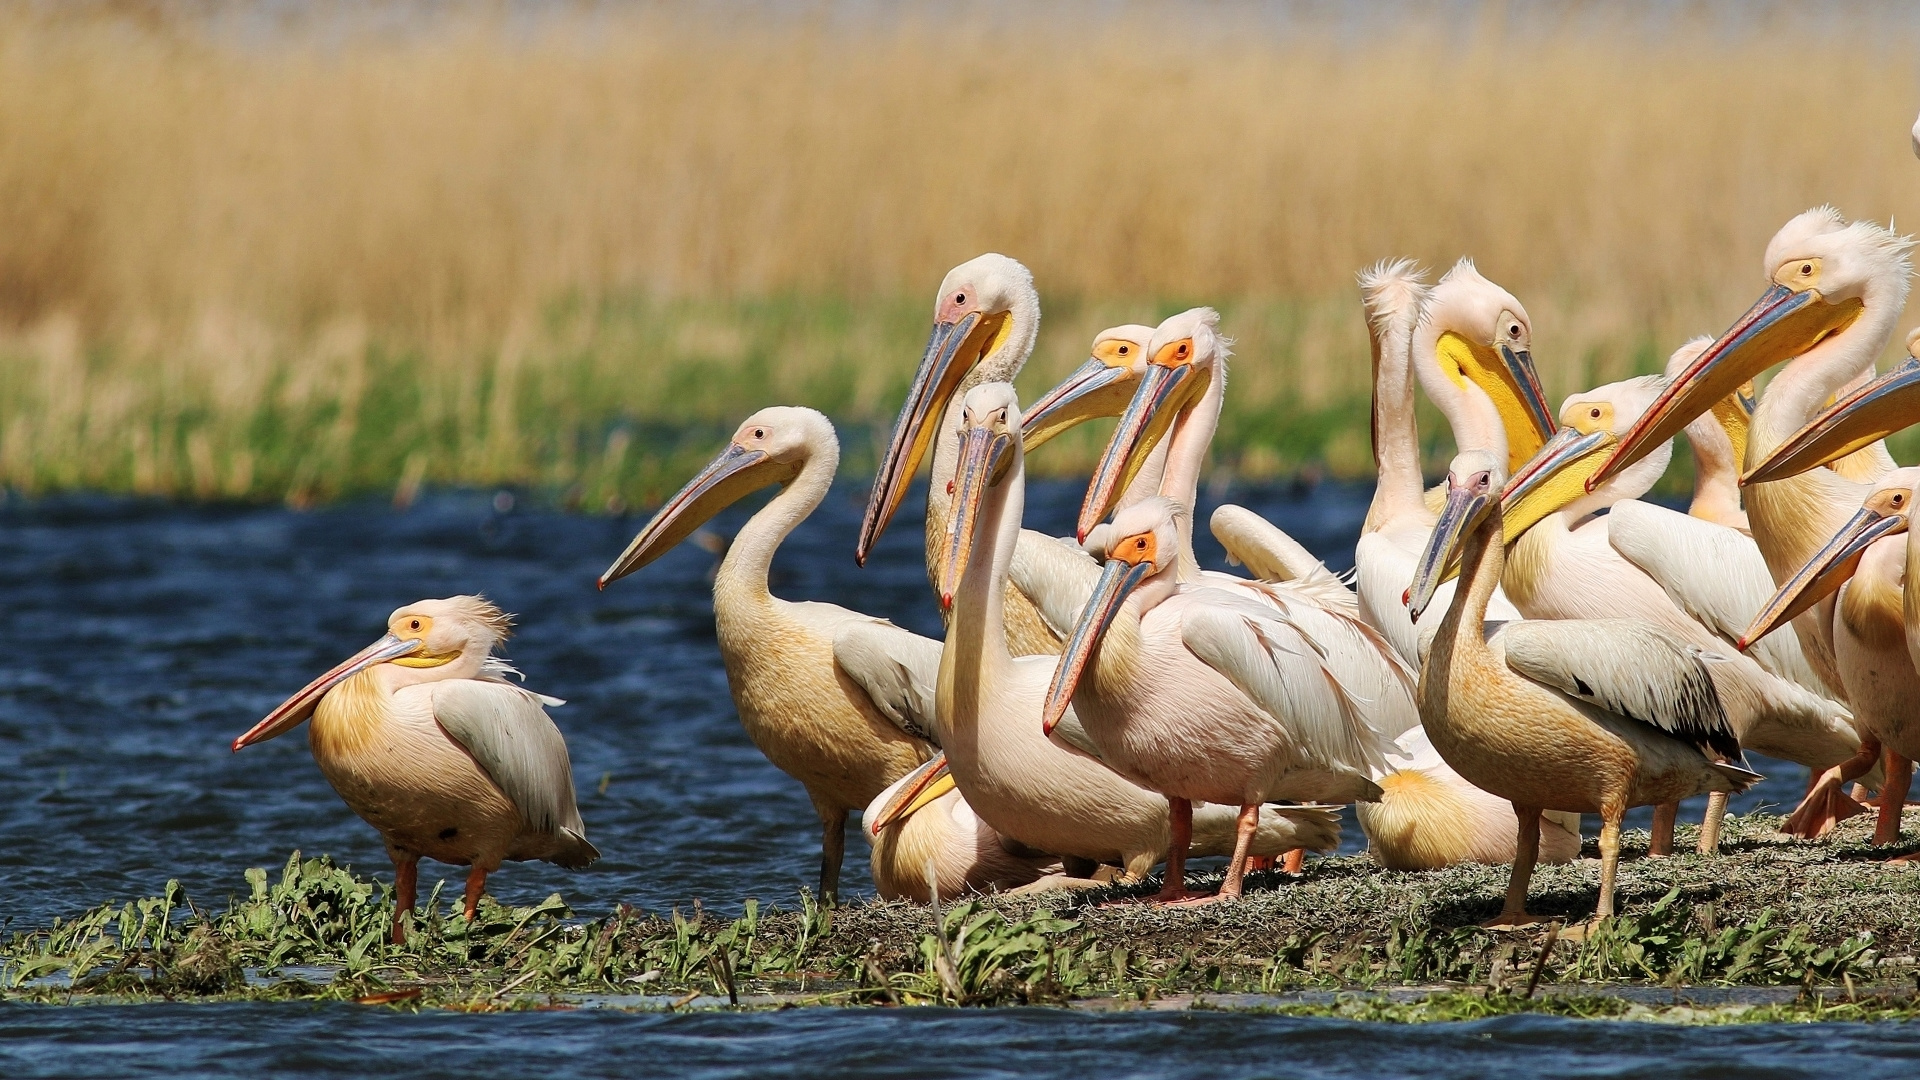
<point>137,639</point>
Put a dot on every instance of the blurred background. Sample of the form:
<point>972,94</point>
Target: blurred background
<point>268,251</point>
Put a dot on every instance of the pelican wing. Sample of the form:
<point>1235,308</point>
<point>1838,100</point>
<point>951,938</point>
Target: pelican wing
<point>1282,657</point>
<point>899,670</point>
<point>1262,547</point>
<point>1713,573</point>
<point>511,736</point>
<point>1628,668</point>
<point>1056,575</point>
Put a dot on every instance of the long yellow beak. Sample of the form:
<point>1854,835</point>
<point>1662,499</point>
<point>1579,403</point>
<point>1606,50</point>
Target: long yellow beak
<point>1551,480</point>
<point>1164,392</point>
<point>1522,383</point>
<point>1117,578</point>
<point>736,473</point>
<point>980,450</point>
<point>953,348</point>
<point>1458,516</point>
<point>1095,389</point>
<point>1780,325</point>
<point>1825,572</point>
<point>1870,413</point>
<point>301,705</point>
<point>925,784</point>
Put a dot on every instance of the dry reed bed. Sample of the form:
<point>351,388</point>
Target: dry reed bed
<point>245,257</point>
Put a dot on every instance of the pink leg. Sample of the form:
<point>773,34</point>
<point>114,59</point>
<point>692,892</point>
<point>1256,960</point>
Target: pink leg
<point>1181,812</point>
<point>476,884</point>
<point>406,891</point>
<point>1664,816</point>
<point>1826,800</point>
<point>1893,799</point>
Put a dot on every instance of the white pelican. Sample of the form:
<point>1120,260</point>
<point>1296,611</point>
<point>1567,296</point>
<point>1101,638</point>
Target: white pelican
<point>1028,787</point>
<point>1835,295</point>
<point>1573,562</point>
<point>798,704</point>
<point>1427,816</point>
<point>985,319</point>
<point>424,737</point>
<point>1868,562</point>
<point>1468,343</point>
<point>1583,716</point>
<point>1202,694</point>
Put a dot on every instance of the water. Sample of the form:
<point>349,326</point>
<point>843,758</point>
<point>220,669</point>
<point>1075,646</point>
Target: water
<point>137,639</point>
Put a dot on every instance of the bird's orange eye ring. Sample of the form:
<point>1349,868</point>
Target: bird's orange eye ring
<point>1182,351</point>
<point>1124,348</point>
<point>1140,543</point>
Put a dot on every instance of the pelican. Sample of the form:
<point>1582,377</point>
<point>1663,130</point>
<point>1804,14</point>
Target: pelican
<point>1426,816</point>
<point>1586,716</point>
<point>1468,344</point>
<point>816,722</point>
<point>1570,561</point>
<point>1876,628</point>
<point>1835,293</point>
<point>1045,795</point>
<point>1205,695</point>
<point>928,842</point>
<point>424,737</point>
<point>985,319</point>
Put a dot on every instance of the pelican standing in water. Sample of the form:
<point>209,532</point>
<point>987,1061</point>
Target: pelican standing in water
<point>1835,295</point>
<point>1587,717</point>
<point>425,739</point>
<point>1876,627</point>
<point>799,705</point>
<point>1571,561</point>
<point>1048,796</point>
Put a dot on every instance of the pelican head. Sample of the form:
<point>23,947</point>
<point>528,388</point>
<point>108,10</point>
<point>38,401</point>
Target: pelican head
<point>1474,480</point>
<point>1822,273</point>
<point>771,447</point>
<point>1884,513</point>
<point>989,436</point>
<point>1480,340</point>
<point>985,318</point>
<point>1141,544</point>
<point>425,642</point>
<point>1555,479</point>
<point>1864,415</point>
<point>1100,387</point>
<point>1184,355</point>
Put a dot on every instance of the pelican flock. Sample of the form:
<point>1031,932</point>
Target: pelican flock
<point>1533,640</point>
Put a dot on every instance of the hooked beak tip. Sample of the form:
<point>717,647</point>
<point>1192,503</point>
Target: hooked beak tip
<point>946,601</point>
<point>1742,644</point>
<point>1406,598</point>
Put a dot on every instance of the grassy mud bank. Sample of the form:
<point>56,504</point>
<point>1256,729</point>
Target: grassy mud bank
<point>1829,926</point>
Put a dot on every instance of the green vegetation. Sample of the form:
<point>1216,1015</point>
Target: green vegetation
<point>1346,940</point>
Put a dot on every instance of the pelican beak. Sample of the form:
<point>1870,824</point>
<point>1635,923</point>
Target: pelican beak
<point>1782,324</point>
<point>1164,392</point>
<point>1507,376</point>
<point>1551,480</point>
<point>1871,412</point>
<point>1118,578</point>
<point>1461,512</point>
<point>1095,389</point>
<point>981,466</point>
<point>730,477</point>
<point>301,705</point>
<point>925,784</point>
<point>1735,416</point>
<point>953,348</point>
<point>1523,387</point>
<point>1826,571</point>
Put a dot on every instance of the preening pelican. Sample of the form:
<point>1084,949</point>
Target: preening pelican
<point>927,840</point>
<point>1868,561</point>
<point>1048,796</point>
<point>1205,695</point>
<point>424,737</point>
<point>1572,562</point>
<point>798,703</point>
<point>1836,292</point>
<point>985,319</point>
<point>1583,716</point>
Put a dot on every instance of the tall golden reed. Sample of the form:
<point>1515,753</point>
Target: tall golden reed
<point>248,254</point>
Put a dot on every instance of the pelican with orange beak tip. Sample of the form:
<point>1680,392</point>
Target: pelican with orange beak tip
<point>1582,716</point>
<point>1050,794</point>
<point>424,737</point>
<point>1875,628</point>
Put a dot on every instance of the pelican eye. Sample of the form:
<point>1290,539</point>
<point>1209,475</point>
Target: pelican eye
<point>1595,413</point>
<point>1805,269</point>
<point>759,433</point>
<point>1514,330</point>
<point>960,298</point>
<point>413,624</point>
<point>1124,348</point>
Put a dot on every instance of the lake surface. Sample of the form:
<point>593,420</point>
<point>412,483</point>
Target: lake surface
<point>137,639</point>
